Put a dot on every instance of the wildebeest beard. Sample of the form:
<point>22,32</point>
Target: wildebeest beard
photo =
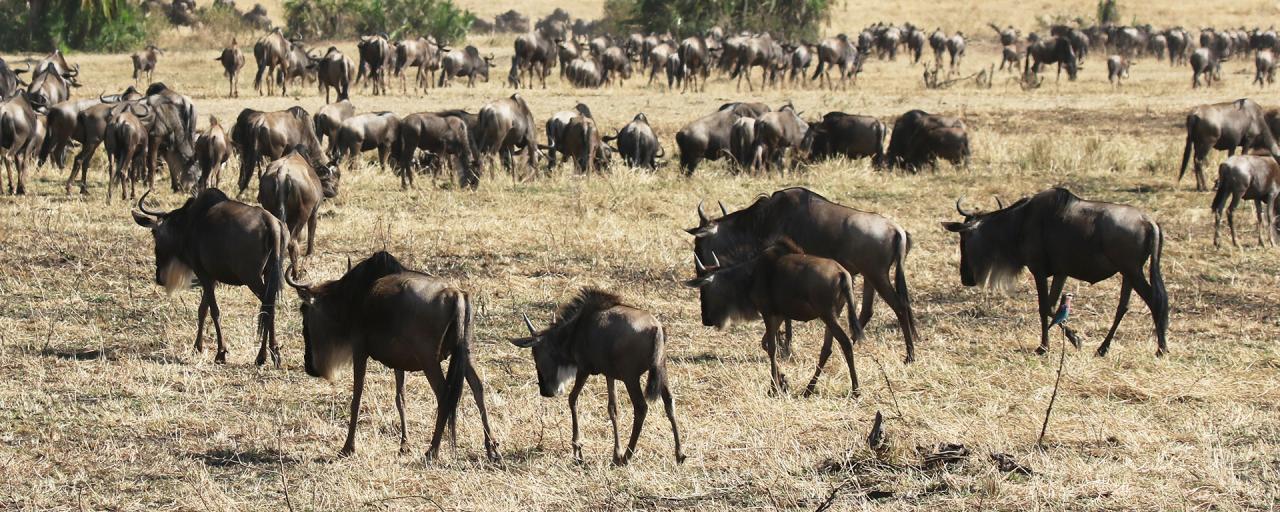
<point>991,250</point>
<point>175,276</point>
<point>342,301</point>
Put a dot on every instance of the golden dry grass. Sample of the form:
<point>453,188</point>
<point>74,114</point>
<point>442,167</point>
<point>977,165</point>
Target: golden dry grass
<point>106,407</point>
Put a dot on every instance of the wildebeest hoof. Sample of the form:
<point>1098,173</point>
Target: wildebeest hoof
<point>261,359</point>
<point>680,457</point>
<point>404,448</point>
<point>221,357</point>
<point>620,460</point>
<point>84,191</point>
<point>1042,350</point>
<point>1102,352</point>
<point>491,450</point>
<point>1160,352</point>
<point>347,451</point>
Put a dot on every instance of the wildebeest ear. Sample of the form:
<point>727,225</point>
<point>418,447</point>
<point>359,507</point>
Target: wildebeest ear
<point>701,231</point>
<point>957,227</point>
<point>700,281</point>
<point>144,220</point>
<point>526,342</point>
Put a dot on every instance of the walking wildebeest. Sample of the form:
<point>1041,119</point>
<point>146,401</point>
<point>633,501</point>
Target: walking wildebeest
<point>292,189</point>
<point>333,71</point>
<point>466,62</point>
<point>695,57</point>
<point>423,53</point>
<point>637,143</point>
<point>403,319</point>
<point>919,138</point>
<point>597,334</point>
<point>955,48</point>
<point>1265,65</point>
<point>557,128</point>
<point>144,62</point>
<point>218,240</point>
<point>365,132</point>
<point>19,124</point>
<point>783,283</point>
<point>1010,58</point>
<point>1248,177</point>
<point>212,152</point>
<point>445,136</point>
<point>1205,62</point>
<point>330,117</point>
<point>938,42</point>
<point>1051,50</point>
<point>505,126</point>
<point>863,243</point>
<point>707,137</point>
<point>376,58</point>
<point>1055,234</point>
<point>268,136</point>
<point>126,145</point>
<point>232,60</point>
<point>1117,69</point>
<point>271,53</point>
<point>1224,126</point>
<point>535,55</point>
<point>837,52</point>
<point>841,134</point>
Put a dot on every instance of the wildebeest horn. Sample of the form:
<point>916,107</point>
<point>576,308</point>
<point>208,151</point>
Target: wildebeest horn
<point>961,210</point>
<point>715,262</point>
<point>527,323</point>
<point>288,278</point>
<point>698,263</point>
<point>702,215</point>
<point>348,263</point>
<point>142,208</point>
<point>723,212</point>
<point>999,202</point>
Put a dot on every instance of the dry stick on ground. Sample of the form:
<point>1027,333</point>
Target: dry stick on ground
<point>284,483</point>
<point>885,374</point>
<point>1062,359</point>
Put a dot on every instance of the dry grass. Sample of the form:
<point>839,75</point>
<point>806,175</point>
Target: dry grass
<point>106,407</point>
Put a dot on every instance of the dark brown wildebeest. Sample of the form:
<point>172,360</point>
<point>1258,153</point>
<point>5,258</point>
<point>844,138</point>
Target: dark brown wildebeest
<point>52,86</point>
<point>915,40</point>
<point>292,190</point>
<point>19,124</point>
<point>657,59</point>
<point>1205,62</point>
<point>333,71</point>
<point>1117,69</point>
<point>466,62</point>
<point>445,136</point>
<point>126,145</point>
<point>1224,126</point>
<point>144,62</point>
<point>1178,45</point>
<point>708,137</point>
<point>863,243</point>
<point>757,51</point>
<point>376,59</point>
<point>366,132</point>
<point>1010,58</point>
<point>1008,35</point>
<point>638,144</point>
<point>218,240</point>
<point>271,53</point>
<point>841,134</point>
<point>504,126</point>
<point>582,141</point>
<point>919,138</point>
<point>10,84</point>
<point>1055,234</point>
<point>777,132</point>
<point>1265,65</point>
<point>212,152</point>
<point>1248,177</point>
<point>511,21</point>
<point>615,66</point>
<point>257,18</point>
<point>955,48</point>
<point>403,319</point>
<point>330,117</point>
<point>567,52</point>
<point>84,121</point>
<point>597,334</point>
<point>799,60</point>
<point>556,127</point>
<point>298,67</point>
<point>938,42</point>
<point>269,135</point>
<point>695,57</point>
<point>837,52</point>
<point>232,60</point>
<point>535,55</point>
<point>423,53</point>
<point>742,145</point>
<point>585,71</point>
<point>1051,50</point>
<point>783,283</point>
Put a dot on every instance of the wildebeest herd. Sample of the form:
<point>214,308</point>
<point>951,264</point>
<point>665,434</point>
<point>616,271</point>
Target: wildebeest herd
<point>792,255</point>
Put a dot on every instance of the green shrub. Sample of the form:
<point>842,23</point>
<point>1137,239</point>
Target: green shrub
<point>1108,12</point>
<point>316,19</point>
<point>91,25</point>
<point>798,19</point>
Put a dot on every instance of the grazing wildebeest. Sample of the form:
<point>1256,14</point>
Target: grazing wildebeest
<point>144,62</point>
<point>1051,50</point>
<point>556,127</point>
<point>863,243</point>
<point>1117,69</point>
<point>333,71</point>
<point>466,62</point>
<point>597,334</point>
<point>1248,177</point>
<point>707,137</point>
<point>271,53</point>
<point>1224,126</point>
<point>837,52</point>
<point>376,58</point>
<point>1055,234</point>
<point>445,136</point>
<point>776,132</point>
<point>19,124</point>
<point>423,53</point>
<point>506,125</point>
<point>742,145</point>
<point>330,117</point>
<point>1205,62</point>
<point>1265,64</point>
<point>171,127</point>
<point>783,283</point>
<point>366,132</point>
<point>292,189</point>
<point>126,145</point>
<point>403,319</point>
<point>637,143</point>
<point>955,48</point>
<point>841,134</point>
<point>218,240</point>
<point>212,152</point>
<point>919,138</point>
<point>232,60</point>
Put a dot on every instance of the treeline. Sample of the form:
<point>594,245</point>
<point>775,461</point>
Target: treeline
<point>791,19</point>
<point>342,19</point>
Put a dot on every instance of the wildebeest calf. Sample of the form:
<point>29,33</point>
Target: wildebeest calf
<point>596,334</point>
<point>1117,69</point>
<point>1249,177</point>
<point>292,189</point>
<point>212,152</point>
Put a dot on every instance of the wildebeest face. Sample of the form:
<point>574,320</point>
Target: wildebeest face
<point>324,347</point>
<point>984,246</point>
<point>171,272</point>
<point>722,293</point>
<point>553,370</point>
<point>965,229</point>
<point>329,178</point>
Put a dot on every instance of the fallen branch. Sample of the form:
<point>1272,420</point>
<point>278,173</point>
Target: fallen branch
<point>1062,359</point>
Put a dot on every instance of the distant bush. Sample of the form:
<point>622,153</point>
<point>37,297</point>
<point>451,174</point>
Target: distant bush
<point>89,25</point>
<point>1108,12</point>
<point>317,19</point>
<point>786,18</point>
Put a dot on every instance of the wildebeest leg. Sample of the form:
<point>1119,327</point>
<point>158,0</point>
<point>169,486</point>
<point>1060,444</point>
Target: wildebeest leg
<point>900,309</point>
<point>1125,291</point>
<point>477,392</point>
<point>578,382</point>
<point>846,348</point>
<point>640,408</point>
<point>358,365</point>
<point>404,429</point>
<point>1231,218</point>
<point>613,417</point>
<point>1042,305</point>
<point>221,356</point>
<point>822,362</point>
<point>311,229</point>
<point>204,313</point>
<point>435,378</point>
<point>669,403</point>
<point>779,380</point>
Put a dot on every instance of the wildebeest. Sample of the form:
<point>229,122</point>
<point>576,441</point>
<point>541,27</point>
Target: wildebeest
<point>292,190</point>
<point>366,132</point>
<point>707,137</point>
<point>268,136</point>
<point>298,67</point>
<point>232,60</point>
<point>1010,58</point>
<point>637,143</point>
<point>777,132</point>
<point>1265,65</point>
<point>212,152</point>
<point>695,57</point>
<point>535,55</point>
<point>1248,177</point>
<point>783,283</point>
<point>799,59</point>
<point>841,134</point>
<point>506,125</point>
<point>938,42</point>
<point>757,51</point>
<point>1117,69</point>
<point>742,145</point>
<point>218,240</point>
<point>1055,234</point>
<point>333,71</point>
<point>403,319</point>
<point>615,66</point>
<point>445,136</point>
<point>50,85</point>
<point>556,128</point>
<point>597,334</point>
<point>65,125</point>
<point>10,84</point>
<point>330,117</point>
<point>423,53</point>
<point>271,53</point>
<point>920,138</point>
<point>1207,63</point>
<point>376,58</point>
<point>955,48</point>
<point>1051,50</point>
<point>126,145</point>
<point>466,62</point>
<point>144,62</point>
<point>1224,126</point>
<point>837,52</point>
<point>19,125</point>
<point>863,243</point>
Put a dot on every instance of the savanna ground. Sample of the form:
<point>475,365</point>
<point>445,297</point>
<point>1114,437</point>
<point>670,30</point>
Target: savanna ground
<point>105,406</point>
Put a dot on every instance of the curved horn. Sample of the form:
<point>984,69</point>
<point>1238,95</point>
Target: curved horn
<point>715,262</point>
<point>723,212</point>
<point>288,278</point>
<point>961,210</point>
<point>698,263</point>
<point>102,96</point>
<point>527,323</point>
<point>702,215</point>
<point>999,202</point>
<point>144,209</point>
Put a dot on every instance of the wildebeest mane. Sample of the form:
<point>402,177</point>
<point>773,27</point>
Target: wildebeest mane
<point>156,88</point>
<point>352,288</point>
<point>586,303</point>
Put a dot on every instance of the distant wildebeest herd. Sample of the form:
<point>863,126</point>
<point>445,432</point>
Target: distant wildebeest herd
<point>792,255</point>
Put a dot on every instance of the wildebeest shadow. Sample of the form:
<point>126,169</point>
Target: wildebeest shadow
<point>225,457</point>
<point>79,355</point>
<point>711,357</point>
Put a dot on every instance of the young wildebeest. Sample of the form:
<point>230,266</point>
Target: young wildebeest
<point>144,62</point>
<point>1009,58</point>
<point>1056,234</point>
<point>1265,63</point>
<point>220,241</point>
<point>292,189</point>
<point>637,143</point>
<point>212,152</point>
<point>1249,177</point>
<point>444,136</point>
<point>1117,69</point>
<point>232,60</point>
<point>1206,62</point>
<point>403,319</point>
<point>366,132</point>
<point>782,283</point>
<point>1224,126</point>
<point>126,144</point>
<point>596,334</point>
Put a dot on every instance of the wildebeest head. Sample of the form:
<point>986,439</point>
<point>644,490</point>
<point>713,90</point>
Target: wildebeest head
<point>327,309</point>
<point>169,230</point>
<point>724,298</point>
<point>984,238</point>
<point>553,347</point>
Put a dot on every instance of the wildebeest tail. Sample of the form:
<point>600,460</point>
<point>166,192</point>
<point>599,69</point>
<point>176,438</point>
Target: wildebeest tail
<point>1192,121</point>
<point>273,279</point>
<point>902,246</point>
<point>1159,295</point>
<point>846,286</point>
<point>657,372</point>
<point>1220,198</point>
<point>460,361</point>
<point>822,66</point>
